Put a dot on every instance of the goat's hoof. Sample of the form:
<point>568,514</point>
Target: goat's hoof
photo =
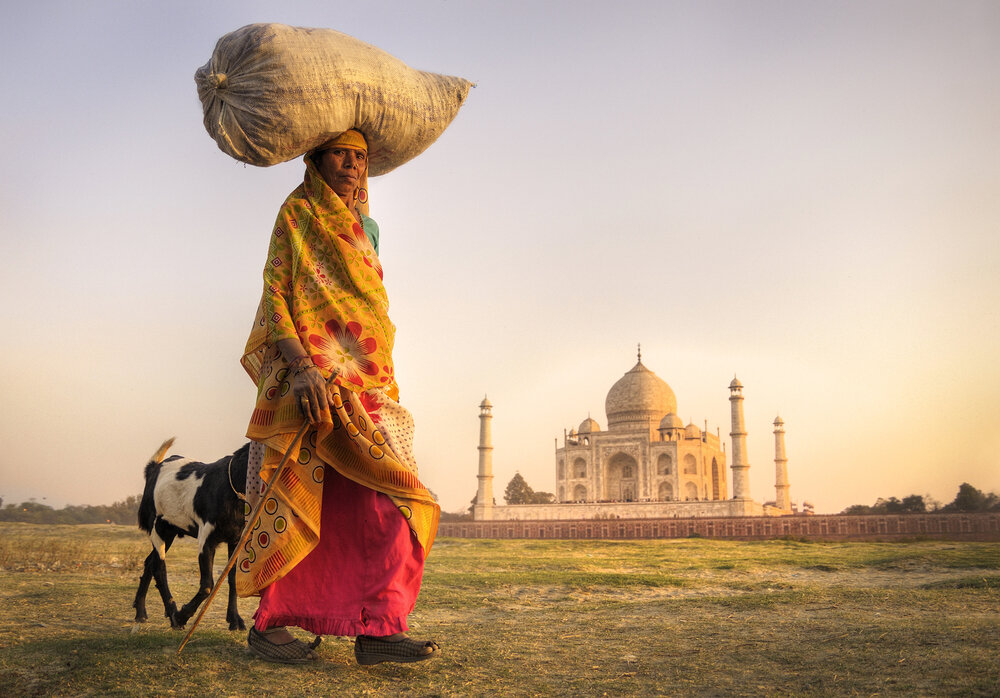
<point>177,622</point>
<point>238,624</point>
<point>141,617</point>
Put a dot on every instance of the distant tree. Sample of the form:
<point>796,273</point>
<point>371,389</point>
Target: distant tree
<point>892,505</point>
<point>857,510</point>
<point>968,498</point>
<point>518,491</point>
<point>455,516</point>
<point>125,511</point>
<point>914,504</point>
<point>971,499</point>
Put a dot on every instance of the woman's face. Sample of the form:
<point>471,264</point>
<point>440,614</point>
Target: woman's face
<point>341,168</point>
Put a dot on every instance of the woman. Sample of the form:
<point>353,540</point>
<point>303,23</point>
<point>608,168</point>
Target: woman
<point>340,546</point>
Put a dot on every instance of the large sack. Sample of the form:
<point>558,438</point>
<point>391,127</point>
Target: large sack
<point>272,92</point>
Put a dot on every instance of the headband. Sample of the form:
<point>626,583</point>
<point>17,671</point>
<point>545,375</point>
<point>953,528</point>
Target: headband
<point>352,138</point>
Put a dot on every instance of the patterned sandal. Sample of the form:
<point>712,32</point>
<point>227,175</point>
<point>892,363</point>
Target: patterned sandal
<point>373,650</point>
<point>294,652</point>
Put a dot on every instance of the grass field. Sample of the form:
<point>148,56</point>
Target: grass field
<point>592,618</point>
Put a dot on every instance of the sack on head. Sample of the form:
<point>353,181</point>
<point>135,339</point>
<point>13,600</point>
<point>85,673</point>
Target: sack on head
<point>271,93</point>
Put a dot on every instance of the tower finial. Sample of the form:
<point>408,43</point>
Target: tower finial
<point>639,351</point>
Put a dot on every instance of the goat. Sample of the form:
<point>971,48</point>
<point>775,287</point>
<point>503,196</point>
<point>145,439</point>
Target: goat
<point>187,498</point>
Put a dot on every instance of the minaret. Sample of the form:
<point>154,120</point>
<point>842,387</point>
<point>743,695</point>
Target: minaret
<point>741,480</point>
<point>483,510</point>
<point>781,497</point>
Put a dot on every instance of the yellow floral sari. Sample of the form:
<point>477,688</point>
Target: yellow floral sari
<point>323,285</point>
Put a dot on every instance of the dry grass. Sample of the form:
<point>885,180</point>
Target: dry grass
<point>672,617</point>
<point>26,547</point>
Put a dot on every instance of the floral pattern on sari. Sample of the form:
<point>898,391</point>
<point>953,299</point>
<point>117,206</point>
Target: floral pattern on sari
<point>343,349</point>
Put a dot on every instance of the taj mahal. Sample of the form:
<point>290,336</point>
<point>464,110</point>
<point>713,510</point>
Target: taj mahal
<point>646,464</point>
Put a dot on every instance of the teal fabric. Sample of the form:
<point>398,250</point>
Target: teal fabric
<point>371,230</point>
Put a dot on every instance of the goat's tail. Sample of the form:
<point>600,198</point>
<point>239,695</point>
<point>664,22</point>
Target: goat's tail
<point>147,508</point>
<point>157,458</point>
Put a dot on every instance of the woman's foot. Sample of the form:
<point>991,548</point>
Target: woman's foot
<point>393,648</point>
<point>278,645</point>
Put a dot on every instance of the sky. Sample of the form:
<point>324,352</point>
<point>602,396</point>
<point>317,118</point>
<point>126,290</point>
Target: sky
<point>803,195</point>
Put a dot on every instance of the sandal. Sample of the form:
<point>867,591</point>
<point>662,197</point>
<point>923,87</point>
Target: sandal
<point>373,650</point>
<point>294,652</point>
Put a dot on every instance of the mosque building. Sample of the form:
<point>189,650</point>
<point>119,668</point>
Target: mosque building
<point>646,464</point>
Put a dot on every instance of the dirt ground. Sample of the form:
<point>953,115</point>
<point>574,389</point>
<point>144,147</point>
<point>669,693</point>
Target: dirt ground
<point>574,618</point>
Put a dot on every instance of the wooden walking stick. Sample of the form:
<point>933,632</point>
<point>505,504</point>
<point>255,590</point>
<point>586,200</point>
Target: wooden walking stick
<point>248,527</point>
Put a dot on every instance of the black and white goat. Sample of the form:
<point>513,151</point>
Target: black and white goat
<point>187,498</point>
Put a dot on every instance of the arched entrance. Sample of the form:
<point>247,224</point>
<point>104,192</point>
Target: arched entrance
<point>666,492</point>
<point>622,482</point>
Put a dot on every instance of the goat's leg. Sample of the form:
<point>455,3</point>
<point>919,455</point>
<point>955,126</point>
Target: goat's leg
<point>148,568</point>
<point>206,558</point>
<point>232,610</point>
<point>162,538</point>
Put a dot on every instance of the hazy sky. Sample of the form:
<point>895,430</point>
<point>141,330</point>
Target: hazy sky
<point>803,194</point>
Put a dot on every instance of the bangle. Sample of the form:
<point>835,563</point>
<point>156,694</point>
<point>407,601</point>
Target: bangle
<point>300,369</point>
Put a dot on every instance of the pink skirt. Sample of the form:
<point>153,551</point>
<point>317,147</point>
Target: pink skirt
<point>362,578</point>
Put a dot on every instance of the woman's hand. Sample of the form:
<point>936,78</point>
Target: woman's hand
<point>308,386</point>
<point>310,392</point>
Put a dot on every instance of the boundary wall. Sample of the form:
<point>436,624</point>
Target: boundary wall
<point>977,526</point>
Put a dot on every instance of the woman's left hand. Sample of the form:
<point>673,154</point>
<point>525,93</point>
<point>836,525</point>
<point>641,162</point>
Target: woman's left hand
<point>310,392</point>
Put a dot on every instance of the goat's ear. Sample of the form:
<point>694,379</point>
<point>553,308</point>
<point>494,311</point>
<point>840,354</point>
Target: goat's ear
<point>158,456</point>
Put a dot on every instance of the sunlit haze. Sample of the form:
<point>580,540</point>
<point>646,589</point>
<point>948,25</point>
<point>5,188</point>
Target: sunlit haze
<point>804,195</point>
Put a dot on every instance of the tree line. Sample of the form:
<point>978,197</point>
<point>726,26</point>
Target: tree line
<point>968,499</point>
<point>124,512</point>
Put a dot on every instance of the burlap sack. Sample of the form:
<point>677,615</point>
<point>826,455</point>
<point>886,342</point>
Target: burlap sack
<point>271,93</point>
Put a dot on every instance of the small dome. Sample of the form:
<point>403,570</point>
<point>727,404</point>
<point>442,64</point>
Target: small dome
<point>736,383</point>
<point>589,425</point>
<point>692,431</point>
<point>485,402</point>
<point>671,421</point>
<point>778,421</point>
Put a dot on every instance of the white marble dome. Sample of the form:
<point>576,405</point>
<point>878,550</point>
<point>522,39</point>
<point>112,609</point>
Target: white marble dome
<point>639,399</point>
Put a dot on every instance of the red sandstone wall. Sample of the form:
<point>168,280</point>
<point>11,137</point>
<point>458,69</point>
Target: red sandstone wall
<point>985,527</point>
